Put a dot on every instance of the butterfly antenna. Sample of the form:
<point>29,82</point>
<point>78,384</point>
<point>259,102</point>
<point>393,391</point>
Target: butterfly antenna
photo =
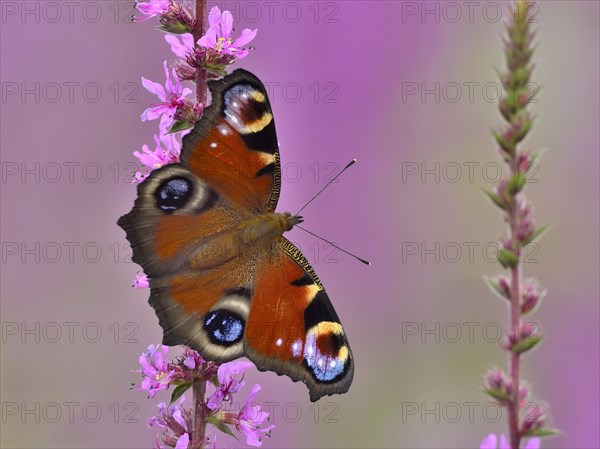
<point>350,164</point>
<point>366,262</point>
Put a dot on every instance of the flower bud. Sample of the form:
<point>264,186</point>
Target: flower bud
<point>177,20</point>
<point>497,385</point>
<point>522,339</point>
<point>531,294</point>
<point>535,419</point>
<point>500,285</point>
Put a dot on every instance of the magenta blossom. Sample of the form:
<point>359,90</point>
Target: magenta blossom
<point>172,96</point>
<point>160,156</point>
<point>218,36</point>
<point>155,370</point>
<point>140,281</point>
<point>228,384</point>
<point>176,423</point>
<point>154,159</point>
<point>152,8</point>
<point>491,442</point>
<point>251,418</point>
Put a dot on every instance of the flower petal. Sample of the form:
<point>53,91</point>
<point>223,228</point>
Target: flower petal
<point>533,443</point>
<point>226,24</point>
<point>214,17</point>
<point>489,442</point>
<point>183,442</point>
<point>209,39</point>
<point>229,369</point>
<point>154,88</point>
<point>246,36</point>
<point>255,389</point>
<point>183,47</point>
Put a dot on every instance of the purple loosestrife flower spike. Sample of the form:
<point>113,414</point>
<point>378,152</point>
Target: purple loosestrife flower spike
<point>201,53</point>
<point>509,195</point>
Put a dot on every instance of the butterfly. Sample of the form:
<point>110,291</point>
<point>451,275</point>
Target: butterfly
<point>224,281</point>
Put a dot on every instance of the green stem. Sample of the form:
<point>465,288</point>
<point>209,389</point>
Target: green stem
<point>201,75</point>
<point>199,430</point>
<point>514,360</point>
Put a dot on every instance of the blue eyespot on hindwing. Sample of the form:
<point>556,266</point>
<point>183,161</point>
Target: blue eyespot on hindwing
<point>173,194</point>
<point>224,327</point>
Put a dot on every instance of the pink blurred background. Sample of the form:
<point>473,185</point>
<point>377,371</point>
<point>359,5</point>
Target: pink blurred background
<point>420,320</point>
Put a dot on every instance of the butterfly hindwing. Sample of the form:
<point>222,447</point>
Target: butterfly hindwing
<point>207,311</point>
<point>293,328</point>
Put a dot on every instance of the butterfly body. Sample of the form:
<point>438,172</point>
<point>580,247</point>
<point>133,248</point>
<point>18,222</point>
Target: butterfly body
<point>223,279</point>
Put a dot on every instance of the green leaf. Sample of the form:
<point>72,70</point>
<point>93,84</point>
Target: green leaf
<point>494,287</point>
<point>495,199</point>
<point>537,234</point>
<point>498,394</point>
<point>211,419</point>
<point>506,146</point>
<point>179,390</point>
<point>175,28</point>
<point>542,432</point>
<point>525,345</point>
<point>216,70</point>
<point>517,182</point>
<point>525,128</point>
<point>180,126</point>
<point>507,258</point>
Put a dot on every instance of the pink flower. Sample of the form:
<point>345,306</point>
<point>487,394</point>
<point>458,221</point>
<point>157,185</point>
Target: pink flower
<point>161,156</point>
<point>228,384</point>
<point>152,8</point>
<point>157,158</point>
<point>176,423</point>
<point>491,442</point>
<point>218,36</point>
<point>172,96</point>
<point>141,280</point>
<point>155,370</point>
<point>251,418</point>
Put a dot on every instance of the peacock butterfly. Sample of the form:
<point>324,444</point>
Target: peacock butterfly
<point>223,279</point>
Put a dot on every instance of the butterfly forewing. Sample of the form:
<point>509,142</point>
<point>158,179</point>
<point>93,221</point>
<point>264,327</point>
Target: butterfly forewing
<point>234,147</point>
